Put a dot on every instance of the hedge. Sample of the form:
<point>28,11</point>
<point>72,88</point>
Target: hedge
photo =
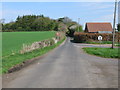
<point>93,37</point>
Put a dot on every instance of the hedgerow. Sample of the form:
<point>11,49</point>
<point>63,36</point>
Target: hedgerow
<point>92,37</point>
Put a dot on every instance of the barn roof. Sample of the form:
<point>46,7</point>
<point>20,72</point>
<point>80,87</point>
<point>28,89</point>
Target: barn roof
<point>95,27</point>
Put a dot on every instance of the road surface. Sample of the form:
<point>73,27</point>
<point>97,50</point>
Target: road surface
<point>67,66</point>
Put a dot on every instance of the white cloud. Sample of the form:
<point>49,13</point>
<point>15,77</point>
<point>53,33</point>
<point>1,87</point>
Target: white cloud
<point>57,0</point>
<point>98,5</point>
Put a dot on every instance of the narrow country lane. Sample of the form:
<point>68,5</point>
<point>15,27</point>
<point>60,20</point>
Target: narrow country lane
<point>67,66</point>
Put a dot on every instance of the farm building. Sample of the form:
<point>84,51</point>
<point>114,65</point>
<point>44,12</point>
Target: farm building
<point>98,28</point>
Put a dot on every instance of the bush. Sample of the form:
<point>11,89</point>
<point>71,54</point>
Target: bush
<point>52,42</point>
<point>93,37</point>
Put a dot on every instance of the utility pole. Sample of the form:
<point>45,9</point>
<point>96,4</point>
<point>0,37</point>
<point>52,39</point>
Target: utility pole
<point>78,23</point>
<point>114,23</point>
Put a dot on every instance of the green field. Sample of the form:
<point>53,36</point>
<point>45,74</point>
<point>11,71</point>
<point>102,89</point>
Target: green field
<point>12,60</point>
<point>13,41</point>
<point>103,52</point>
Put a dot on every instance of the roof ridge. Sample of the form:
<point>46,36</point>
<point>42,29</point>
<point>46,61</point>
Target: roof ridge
<point>98,22</point>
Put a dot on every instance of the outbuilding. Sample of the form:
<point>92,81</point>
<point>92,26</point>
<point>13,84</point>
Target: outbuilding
<point>98,28</point>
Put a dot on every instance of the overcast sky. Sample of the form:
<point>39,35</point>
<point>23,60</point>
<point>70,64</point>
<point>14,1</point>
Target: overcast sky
<point>86,11</point>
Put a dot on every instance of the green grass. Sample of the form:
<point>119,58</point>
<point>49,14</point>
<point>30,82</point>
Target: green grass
<point>13,60</point>
<point>103,52</point>
<point>102,42</point>
<point>117,45</point>
<point>13,41</point>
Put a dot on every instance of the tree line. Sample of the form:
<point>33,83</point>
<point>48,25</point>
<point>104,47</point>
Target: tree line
<point>31,23</point>
<point>39,23</point>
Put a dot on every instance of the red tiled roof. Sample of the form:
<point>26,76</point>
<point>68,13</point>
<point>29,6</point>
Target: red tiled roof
<point>95,27</point>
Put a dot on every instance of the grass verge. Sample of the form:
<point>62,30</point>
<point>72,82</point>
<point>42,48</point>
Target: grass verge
<point>103,52</point>
<point>102,42</point>
<point>117,45</point>
<point>8,62</point>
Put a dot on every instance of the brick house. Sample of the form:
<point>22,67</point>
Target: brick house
<point>98,28</point>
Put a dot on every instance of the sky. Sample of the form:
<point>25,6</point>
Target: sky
<point>119,12</point>
<point>58,0</point>
<point>86,11</point>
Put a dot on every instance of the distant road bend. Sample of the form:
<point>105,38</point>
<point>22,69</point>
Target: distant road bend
<point>66,67</point>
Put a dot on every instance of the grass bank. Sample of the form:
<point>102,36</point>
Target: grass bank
<point>103,52</point>
<point>8,62</point>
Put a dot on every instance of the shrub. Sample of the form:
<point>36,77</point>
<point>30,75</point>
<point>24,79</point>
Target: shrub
<point>93,37</point>
<point>52,42</point>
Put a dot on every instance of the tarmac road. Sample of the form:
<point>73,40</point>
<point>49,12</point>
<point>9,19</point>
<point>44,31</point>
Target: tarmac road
<point>67,66</point>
